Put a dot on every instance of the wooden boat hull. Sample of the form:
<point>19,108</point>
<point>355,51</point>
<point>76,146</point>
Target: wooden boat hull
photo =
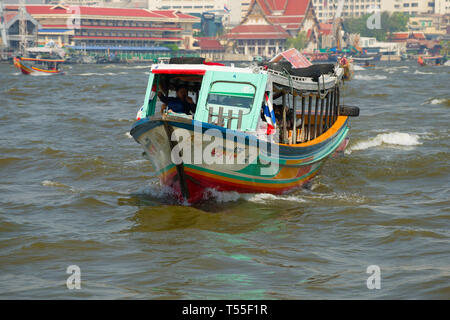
<point>32,70</point>
<point>295,165</point>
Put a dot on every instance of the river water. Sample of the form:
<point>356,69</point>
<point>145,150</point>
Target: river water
<point>75,190</point>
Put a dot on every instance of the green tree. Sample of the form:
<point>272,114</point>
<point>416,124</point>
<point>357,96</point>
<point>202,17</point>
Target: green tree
<point>299,42</point>
<point>172,47</point>
<point>389,23</point>
<point>397,22</point>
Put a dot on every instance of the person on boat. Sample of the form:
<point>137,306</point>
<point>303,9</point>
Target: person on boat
<point>182,103</point>
<point>278,110</point>
<point>344,61</point>
<point>420,61</point>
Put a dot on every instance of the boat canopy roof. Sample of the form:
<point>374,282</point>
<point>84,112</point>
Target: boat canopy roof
<point>307,79</point>
<point>199,69</point>
<point>50,50</point>
<point>42,60</point>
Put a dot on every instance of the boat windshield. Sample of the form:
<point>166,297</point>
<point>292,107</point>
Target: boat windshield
<point>231,94</point>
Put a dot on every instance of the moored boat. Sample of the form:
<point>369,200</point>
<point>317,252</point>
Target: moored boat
<point>249,130</point>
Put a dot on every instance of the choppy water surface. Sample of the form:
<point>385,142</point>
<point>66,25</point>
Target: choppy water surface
<point>75,190</point>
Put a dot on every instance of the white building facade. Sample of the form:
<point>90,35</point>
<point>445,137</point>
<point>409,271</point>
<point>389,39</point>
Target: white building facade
<point>328,9</point>
<point>236,9</point>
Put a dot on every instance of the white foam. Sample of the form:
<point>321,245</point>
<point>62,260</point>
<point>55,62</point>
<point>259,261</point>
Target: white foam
<point>265,197</point>
<point>41,74</point>
<point>135,162</point>
<point>222,196</point>
<point>232,196</point>
<point>54,184</point>
<point>392,138</point>
<point>420,72</point>
<point>437,101</point>
<point>49,183</point>
<point>140,67</point>
<point>447,63</point>
<point>159,191</point>
<point>128,135</point>
<point>395,68</point>
<point>369,77</point>
<point>89,74</point>
<point>346,197</point>
<point>358,68</point>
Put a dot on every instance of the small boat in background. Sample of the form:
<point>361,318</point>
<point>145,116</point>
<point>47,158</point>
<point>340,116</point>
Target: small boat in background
<point>41,61</point>
<point>32,66</point>
<point>366,58</point>
<point>431,60</point>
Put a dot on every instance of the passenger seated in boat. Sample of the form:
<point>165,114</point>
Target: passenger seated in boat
<point>278,110</point>
<point>182,103</point>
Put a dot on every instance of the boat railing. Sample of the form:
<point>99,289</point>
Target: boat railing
<point>313,116</point>
<point>317,111</point>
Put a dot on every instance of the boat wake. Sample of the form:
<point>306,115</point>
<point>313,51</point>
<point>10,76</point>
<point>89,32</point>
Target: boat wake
<point>370,78</point>
<point>54,184</point>
<point>41,74</point>
<point>435,101</point>
<point>90,74</point>
<point>165,193</point>
<point>420,72</point>
<point>391,139</point>
<point>230,196</point>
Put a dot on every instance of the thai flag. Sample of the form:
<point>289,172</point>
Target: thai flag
<point>269,115</point>
<point>140,115</point>
<point>153,92</point>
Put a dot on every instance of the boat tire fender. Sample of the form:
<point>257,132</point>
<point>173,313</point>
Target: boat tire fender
<point>349,111</point>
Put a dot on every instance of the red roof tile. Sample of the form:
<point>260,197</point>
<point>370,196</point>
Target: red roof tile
<point>257,31</point>
<point>400,36</point>
<point>403,36</point>
<point>282,15</point>
<point>209,44</point>
<point>283,8</point>
<point>326,28</point>
<point>63,26</point>
<point>104,11</point>
<point>127,38</point>
<point>418,35</point>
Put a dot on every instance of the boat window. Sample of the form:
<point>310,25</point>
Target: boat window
<point>231,94</point>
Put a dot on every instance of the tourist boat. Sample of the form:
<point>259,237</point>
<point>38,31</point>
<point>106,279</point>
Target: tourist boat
<point>33,66</point>
<point>266,128</point>
<point>41,61</point>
